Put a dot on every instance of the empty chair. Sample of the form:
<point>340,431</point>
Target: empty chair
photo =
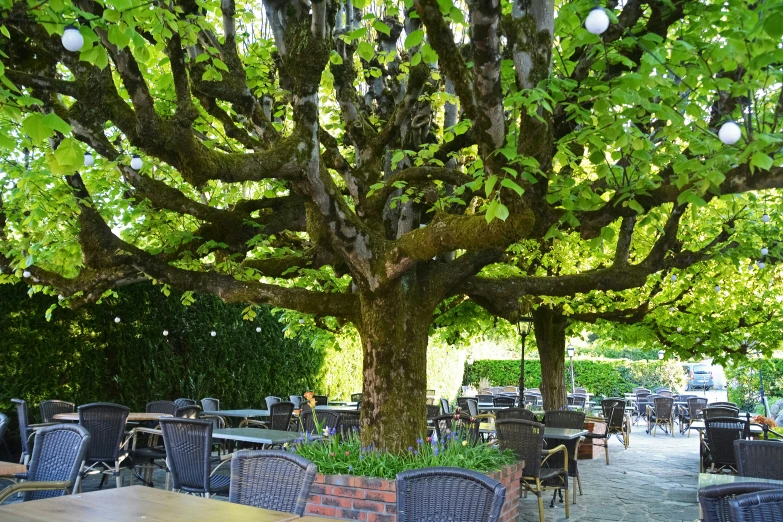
<point>763,506</point>
<point>495,390</point>
<point>350,423</point>
<point>485,399</point>
<point>3,428</point>
<point>720,434</point>
<point>515,413</point>
<point>573,420</point>
<point>108,449</point>
<point>182,402</point>
<point>534,399</point>
<point>188,449</point>
<point>661,414</point>
<point>167,407</point>
<point>642,400</point>
<point>511,389</point>
<point>51,408</point>
<point>580,401</point>
<point>327,419</point>
<point>25,428</point>
<point>462,427</point>
<point>711,412</point>
<point>433,410</point>
<point>431,393</point>
<point>356,397</point>
<point>759,458</point>
<point>188,412</point>
<point>468,405</point>
<point>58,454</point>
<point>321,400</point>
<point>297,400</point>
<point>638,389</point>
<point>615,423</point>
<point>694,411</point>
<point>580,391</point>
<point>720,404</point>
<point>444,406</point>
<point>504,402</point>
<point>453,494</point>
<point>276,480</point>
<point>210,404</point>
<point>280,414</point>
<point>270,401</point>
<point>714,500</point>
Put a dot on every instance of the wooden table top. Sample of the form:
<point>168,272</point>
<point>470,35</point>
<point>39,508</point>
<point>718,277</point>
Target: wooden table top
<point>136,503</point>
<point>132,417</point>
<point>11,468</point>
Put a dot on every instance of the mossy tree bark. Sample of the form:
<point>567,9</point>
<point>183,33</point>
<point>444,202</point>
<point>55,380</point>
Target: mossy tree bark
<point>550,329</point>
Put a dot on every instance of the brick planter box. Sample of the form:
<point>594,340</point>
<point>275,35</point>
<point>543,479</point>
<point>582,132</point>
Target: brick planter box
<point>374,499</point>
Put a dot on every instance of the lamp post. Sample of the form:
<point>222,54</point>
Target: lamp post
<point>524,327</point>
<point>466,379</point>
<point>571,351</point>
<point>761,378</point>
<point>661,353</point>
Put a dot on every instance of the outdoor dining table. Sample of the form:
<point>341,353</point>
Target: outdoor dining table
<point>563,433</point>
<point>136,503</point>
<point>11,468</point>
<point>258,435</point>
<point>242,414</point>
<point>132,417</point>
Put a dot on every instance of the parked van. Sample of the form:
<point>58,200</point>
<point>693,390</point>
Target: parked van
<point>699,375</point>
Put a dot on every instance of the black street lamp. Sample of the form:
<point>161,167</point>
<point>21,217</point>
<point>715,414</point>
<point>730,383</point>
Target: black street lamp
<point>571,351</point>
<point>524,327</point>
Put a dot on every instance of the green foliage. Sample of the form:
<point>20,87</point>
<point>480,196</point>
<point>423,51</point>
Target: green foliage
<point>610,378</point>
<point>445,368</point>
<point>742,379</point>
<point>335,456</point>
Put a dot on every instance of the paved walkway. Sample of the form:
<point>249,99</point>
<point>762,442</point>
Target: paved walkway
<point>653,480</point>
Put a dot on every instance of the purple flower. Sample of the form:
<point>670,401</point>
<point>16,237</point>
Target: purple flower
<point>435,450</point>
<point>410,448</point>
<point>416,453</point>
<point>361,457</point>
<point>419,442</point>
<point>350,468</point>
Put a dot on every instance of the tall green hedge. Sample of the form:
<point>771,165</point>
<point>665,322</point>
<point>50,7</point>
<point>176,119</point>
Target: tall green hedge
<point>611,378</point>
<point>84,355</point>
<point>743,381</point>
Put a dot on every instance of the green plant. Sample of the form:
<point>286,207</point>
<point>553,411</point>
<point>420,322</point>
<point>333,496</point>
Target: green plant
<point>742,379</point>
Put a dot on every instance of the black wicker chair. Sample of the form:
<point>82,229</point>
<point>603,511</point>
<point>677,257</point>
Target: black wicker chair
<point>724,404</point>
<point>270,400</point>
<point>515,413</point>
<point>533,399</point>
<point>448,494</point>
<point>268,479</point>
<point>58,455</point>
<point>297,400</point>
<point>580,400</point>
<point>210,404</point>
<point>615,423</point>
<point>526,439</point>
<point>710,412</point>
<point>661,414</point>
<point>694,411</point>
<point>445,407</point>
<point>280,414</point>
<point>182,402</point>
<point>350,423</point>
<point>714,500</point>
<point>321,400</point>
<point>433,410</point>
<point>188,412</point>
<point>468,405</point>
<point>720,434</point>
<point>3,428</point>
<point>147,453</point>
<point>485,399</point>
<point>574,420</point>
<point>759,458</point>
<point>327,419</point>
<point>763,506</point>
<point>109,447</point>
<point>25,428</point>
<point>166,407</point>
<point>459,427</point>
<point>52,407</point>
<point>356,397</point>
<point>504,402</point>
<point>642,400</point>
<point>189,448</point>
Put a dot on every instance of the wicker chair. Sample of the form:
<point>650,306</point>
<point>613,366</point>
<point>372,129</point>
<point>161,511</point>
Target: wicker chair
<point>580,400</point>
<point>3,428</point>
<point>661,414</point>
<point>165,407</point>
<point>108,444</point>
<point>453,494</point>
<point>468,404</point>
<point>280,414</point>
<point>321,400</point>
<point>714,500</point>
<point>210,404</point>
<point>515,413</point>
<point>720,434</point>
<point>504,402</point>
<point>188,412</point>
<point>759,458</point>
<point>694,411</point>
<point>297,400</point>
<point>574,420</point>
<point>617,423</point>
<point>51,408</point>
<point>642,400</point>
<point>327,419</point>
<point>444,406</point>
<point>457,427</point>
<point>526,439</point>
<point>533,398</point>
<point>764,506</point>
<point>188,448</point>
<point>433,410</point>
<point>356,397</point>
<point>269,479</point>
<point>720,404</point>
<point>350,423</point>
<point>638,389</point>
<point>485,398</point>
<point>25,428</point>
<point>711,412</point>
<point>271,400</point>
<point>148,453</point>
<point>182,402</point>
<point>58,455</point>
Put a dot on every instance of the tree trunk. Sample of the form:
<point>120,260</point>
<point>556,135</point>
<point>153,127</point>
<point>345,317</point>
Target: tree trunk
<point>550,337</point>
<point>394,330</point>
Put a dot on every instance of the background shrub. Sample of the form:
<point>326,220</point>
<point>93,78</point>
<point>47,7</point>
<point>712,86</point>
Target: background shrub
<point>743,381</point>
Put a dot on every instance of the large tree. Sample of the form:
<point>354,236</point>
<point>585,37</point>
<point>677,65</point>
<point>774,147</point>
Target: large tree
<point>365,161</point>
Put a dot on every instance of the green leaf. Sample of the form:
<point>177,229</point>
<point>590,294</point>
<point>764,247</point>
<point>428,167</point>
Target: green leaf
<point>220,64</point>
<point>111,15</point>
<point>761,161</point>
<point>511,184</point>
<point>457,15</point>
<point>120,4</point>
<point>428,54</point>
<point>416,60</point>
<point>773,25</point>
<point>502,212</point>
<point>381,27</point>
<point>360,4</point>
<point>335,58</point>
<point>414,39</point>
<point>365,50</point>
<point>4,30</point>
<point>34,127</point>
<point>635,205</point>
<point>53,121</point>
<point>69,154</point>
<point>118,37</point>
<point>489,185</point>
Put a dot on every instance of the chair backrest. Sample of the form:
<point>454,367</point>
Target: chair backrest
<point>665,393</point>
<point>526,439</point>
<point>350,423</point>
<point>614,412</point>
<point>638,389</point>
<point>321,400</point>
<point>695,406</point>
<point>485,398</point>
<point>720,404</point>
<point>271,479</point>
<point>444,406</point>
<point>182,402</point>
<point>533,398</point>
<point>431,392</point>
<point>270,400</point>
<point>515,413</point>
<point>574,420</point>
<point>188,412</point>
<point>496,389</point>
<point>512,389</point>
<point>721,432</point>
<point>504,402</point>
<point>433,410</point>
<point>468,405</point>
<point>167,407</point>
<point>327,419</point>
<point>356,397</point>
<point>297,400</point>
<point>763,506</point>
<point>3,425</point>
<point>759,458</point>
<point>52,407</point>
<point>580,391</point>
<point>21,414</point>
<point>711,412</point>
<point>210,404</point>
<point>280,415</point>
<point>714,500</point>
<point>188,445</point>
<point>580,400</point>
<point>58,453</point>
<point>664,407</point>
<point>106,424</point>
<point>453,494</point>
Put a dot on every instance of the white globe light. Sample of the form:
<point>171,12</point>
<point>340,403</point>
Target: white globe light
<point>597,22</point>
<point>761,264</point>
<point>26,274</point>
<point>679,328</point>
<point>698,339</point>
<point>165,333</point>
<point>764,251</point>
<point>717,288</point>
<point>88,159</point>
<point>765,218</point>
<point>672,309</point>
<point>301,321</point>
<point>136,162</point>
<point>729,133</point>
<point>117,319</point>
<point>60,297</point>
<point>258,329</point>
<point>674,278</point>
<point>72,39</point>
<point>213,333</point>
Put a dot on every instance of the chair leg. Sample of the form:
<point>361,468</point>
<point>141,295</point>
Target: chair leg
<point>606,450</point>
<point>568,512</point>
<point>579,482</point>
<point>573,486</point>
<point>540,501</point>
<point>117,475</point>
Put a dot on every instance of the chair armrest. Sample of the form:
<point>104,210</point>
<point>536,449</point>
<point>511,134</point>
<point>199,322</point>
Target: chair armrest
<point>249,422</point>
<point>21,476</point>
<point>41,425</point>
<point>223,461</point>
<point>558,449</point>
<point>151,431</point>
<point>221,420</point>
<point>484,416</point>
<point>33,486</point>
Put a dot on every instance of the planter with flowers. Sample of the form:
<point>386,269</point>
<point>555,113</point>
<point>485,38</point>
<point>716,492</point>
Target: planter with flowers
<point>358,483</point>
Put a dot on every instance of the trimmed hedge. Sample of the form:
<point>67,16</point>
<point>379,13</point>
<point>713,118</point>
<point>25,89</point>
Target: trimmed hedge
<point>610,378</point>
<point>743,381</point>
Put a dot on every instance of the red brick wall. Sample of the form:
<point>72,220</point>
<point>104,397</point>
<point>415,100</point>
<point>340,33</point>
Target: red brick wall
<point>374,500</point>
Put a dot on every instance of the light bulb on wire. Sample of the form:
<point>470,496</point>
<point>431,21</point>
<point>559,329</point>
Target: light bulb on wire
<point>213,333</point>
<point>165,333</point>
<point>597,21</point>
<point>764,251</point>
<point>89,160</point>
<point>117,320</point>
<point>26,274</point>
<point>674,278</point>
<point>761,264</point>
<point>717,288</point>
<point>729,133</point>
<point>136,162</point>
<point>72,39</point>
<point>258,329</point>
<point>765,218</point>
<point>679,328</point>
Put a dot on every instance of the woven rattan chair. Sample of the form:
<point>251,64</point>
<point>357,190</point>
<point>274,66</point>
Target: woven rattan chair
<point>533,398</point>
<point>458,427</point>
<point>445,408</point>
<point>515,413</point>
<point>148,453</point>
<point>504,402</point>
<point>188,412</point>
<point>327,419</point>
<point>433,410</point>
<point>694,411</point>
<point>763,506</point>
<point>210,404</point>
<point>321,400</point>
<point>52,407</point>
<point>642,400</point>
<point>469,405</point>
<point>485,398</point>
<point>58,455</point>
<point>25,428</point>
<point>580,391</point>
<point>526,439</point>
<point>350,424</point>
<point>661,414</point>
<point>714,500</point>
<point>276,480</point>
<point>297,400</point>
<point>270,400</point>
<point>356,397</point>
<point>182,402</point>
<point>109,447</point>
<point>724,404</point>
<point>4,422</point>
<point>616,422</point>
<point>580,401</point>
<point>638,389</point>
<point>720,434</point>
<point>280,414</point>
<point>166,407</point>
<point>188,453</point>
<point>711,412</point>
<point>448,494</point>
<point>759,458</point>
<point>574,420</point>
